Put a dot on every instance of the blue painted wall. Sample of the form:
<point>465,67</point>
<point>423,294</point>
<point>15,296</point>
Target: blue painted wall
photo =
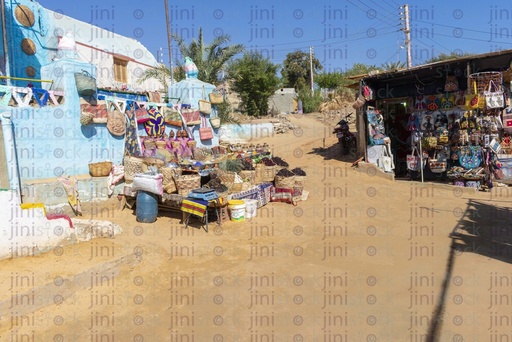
<point>51,141</point>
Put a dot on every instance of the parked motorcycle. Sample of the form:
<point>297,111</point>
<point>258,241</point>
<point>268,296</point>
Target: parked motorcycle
<point>346,139</point>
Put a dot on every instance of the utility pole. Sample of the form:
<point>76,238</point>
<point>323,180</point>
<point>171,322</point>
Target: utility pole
<point>407,32</point>
<point>169,45</point>
<point>311,68</point>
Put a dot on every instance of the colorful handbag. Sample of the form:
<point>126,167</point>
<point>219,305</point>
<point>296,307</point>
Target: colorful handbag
<point>472,100</point>
<point>205,132</point>
<point>172,117</point>
<point>155,126</point>
<point>428,142</point>
<point>433,103</point>
<point>437,165</point>
<point>447,101</point>
<point>420,103</point>
<point>413,160</point>
<point>494,96</point>
<point>192,117</point>
<point>205,107</point>
<point>141,113</point>
<point>470,157</point>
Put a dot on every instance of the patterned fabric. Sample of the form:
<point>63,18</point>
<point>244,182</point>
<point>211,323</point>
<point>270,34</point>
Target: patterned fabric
<point>195,207</point>
<point>155,126</point>
<point>131,142</point>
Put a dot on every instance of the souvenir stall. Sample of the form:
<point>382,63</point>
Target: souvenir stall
<point>173,160</point>
<point>457,135</point>
<point>444,122</point>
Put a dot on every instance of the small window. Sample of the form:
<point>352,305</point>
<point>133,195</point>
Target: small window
<point>120,74</point>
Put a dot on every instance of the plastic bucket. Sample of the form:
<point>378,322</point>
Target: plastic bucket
<point>146,208</point>
<point>251,207</point>
<point>237,210</point>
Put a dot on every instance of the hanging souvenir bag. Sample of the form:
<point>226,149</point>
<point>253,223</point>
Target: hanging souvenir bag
<point>427,122</point>
<point>437,164</point>
<point>447,101</point>
<point>116,122</point>
<point>141,113</point>
<point>385,162</point>
<point>451,83</point>
<point>433,103</point>
<point>192,117</point>
<point>85,84</point>
<point>205,107</point>
<point>420,102</point>
<point>428,142</point>
<point>360,101</point>
<point>215,122</point>
<point>507,120</point>
<point>470,157</point>
<point>413,160</point>
<point>494,96</point>
<point>216,97</point>
<point>368,93</point>
<point>155,126</point>
<point>472,99</point>
<point>172,116</point>
<point>205,132</point>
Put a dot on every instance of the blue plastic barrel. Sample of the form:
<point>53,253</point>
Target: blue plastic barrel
<point>146,208</point>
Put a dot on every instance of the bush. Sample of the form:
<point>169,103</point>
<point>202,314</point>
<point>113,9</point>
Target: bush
<point>224,111</point>
<point>310,102</point>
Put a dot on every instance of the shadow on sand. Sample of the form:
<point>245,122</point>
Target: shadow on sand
<point>485,229</point>
<point>333,152</point>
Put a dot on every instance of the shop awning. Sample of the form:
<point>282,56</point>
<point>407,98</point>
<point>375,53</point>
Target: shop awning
<point>430,78</point>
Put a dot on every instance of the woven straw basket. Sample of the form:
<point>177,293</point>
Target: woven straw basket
<point>265,173</point>
<point>248,176</point>
<point>225,177</point>
<point>300,181</point>
<point>187,183</point>
<point>284,182</point>
<point>101,169</point>
<point>169,173</point>
<point>132,165</point>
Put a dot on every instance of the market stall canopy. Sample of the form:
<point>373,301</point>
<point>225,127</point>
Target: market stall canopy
<point>430,78</point>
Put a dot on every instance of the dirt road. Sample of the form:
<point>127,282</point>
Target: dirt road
<point>363,259</point>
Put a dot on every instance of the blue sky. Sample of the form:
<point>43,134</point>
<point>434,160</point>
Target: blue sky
<point>341,33</point>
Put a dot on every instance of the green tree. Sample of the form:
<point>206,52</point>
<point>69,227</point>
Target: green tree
<point>254,78</point>
<point>210,59</point>
<point>360,69</point>
<point>329,80</point>
<point>296,70</point>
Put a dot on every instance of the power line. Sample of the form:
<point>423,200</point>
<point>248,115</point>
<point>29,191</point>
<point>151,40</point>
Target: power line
<point>385,9</point>
<point>366,11</point>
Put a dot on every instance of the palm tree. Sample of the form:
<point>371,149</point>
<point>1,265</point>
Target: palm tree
<point>161,72</point>
<point>209,59</point>
<point>393,66</point>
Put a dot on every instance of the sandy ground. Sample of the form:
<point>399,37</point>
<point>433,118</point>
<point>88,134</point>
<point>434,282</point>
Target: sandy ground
<point>363,259</point>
